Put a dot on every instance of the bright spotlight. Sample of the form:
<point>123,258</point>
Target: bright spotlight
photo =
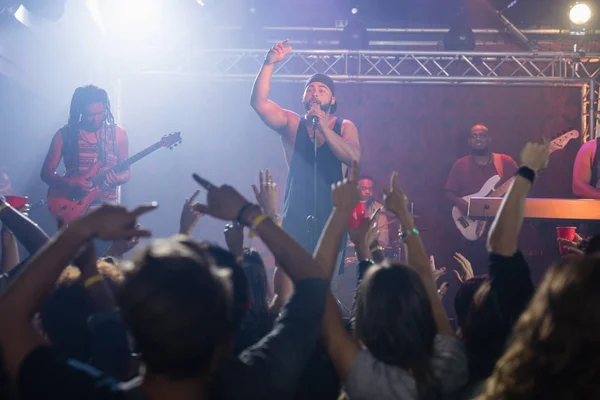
<point>580,14</point>
<point>354,10</point>
<point>137,13</point>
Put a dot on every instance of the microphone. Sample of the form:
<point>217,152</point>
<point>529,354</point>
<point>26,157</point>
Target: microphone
<point>314,118</point>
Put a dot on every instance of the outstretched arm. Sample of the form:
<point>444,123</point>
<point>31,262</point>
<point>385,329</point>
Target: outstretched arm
<point>271,114</point>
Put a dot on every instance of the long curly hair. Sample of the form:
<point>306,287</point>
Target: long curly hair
<point>556,342</point>
<point>394,320</point>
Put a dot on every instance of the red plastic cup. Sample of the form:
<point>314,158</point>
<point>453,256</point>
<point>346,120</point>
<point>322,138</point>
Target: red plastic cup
<point>565,232</point>
<point>16,201</point>
<point>359,214</point>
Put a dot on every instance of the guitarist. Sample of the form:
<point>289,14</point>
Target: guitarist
<point>90,135</point>
<point>470,173</point>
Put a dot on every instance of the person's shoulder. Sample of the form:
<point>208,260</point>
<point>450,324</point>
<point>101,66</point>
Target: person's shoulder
<point>63,130</point>
<point>119,130</point>
<point>506,158</point>
<point>589,146</point>
<point>462,161</point>
<point>377,205</point>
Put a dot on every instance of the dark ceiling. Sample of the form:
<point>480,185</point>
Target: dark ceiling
<point>391,13</point>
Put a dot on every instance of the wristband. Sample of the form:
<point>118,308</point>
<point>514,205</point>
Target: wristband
<point>410,232</point>
<point>243,210</point>
<point>256,223</point>
<point>527,173</point>
<point>93,280</point>
<point>376,248</point>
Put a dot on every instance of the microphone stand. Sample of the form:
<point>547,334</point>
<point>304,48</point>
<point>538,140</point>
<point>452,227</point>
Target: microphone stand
<point>312,219</point>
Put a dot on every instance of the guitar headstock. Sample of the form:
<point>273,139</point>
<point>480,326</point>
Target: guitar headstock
<point>171,140</point>
<point>560,142</point>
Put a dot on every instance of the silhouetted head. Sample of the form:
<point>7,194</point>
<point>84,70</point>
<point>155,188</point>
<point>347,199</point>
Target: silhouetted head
<point>177,305</point>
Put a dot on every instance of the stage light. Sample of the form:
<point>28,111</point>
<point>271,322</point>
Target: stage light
<point>580,14</point>
<point>355,36</point>
<point>460,36</point>
<point>52,10</point>
<point>354,10</point>
<point>137,13</point>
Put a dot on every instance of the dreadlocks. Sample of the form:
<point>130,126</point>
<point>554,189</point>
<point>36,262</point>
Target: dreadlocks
<point>82,97</point>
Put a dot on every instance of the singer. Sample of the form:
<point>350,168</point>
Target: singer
<point>337,147</point>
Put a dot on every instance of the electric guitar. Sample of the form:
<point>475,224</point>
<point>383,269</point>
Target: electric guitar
<point>69,204</point>
<point>473,230</point>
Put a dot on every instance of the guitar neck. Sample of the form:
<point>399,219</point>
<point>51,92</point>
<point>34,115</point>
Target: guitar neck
<point>135,158</point>
<point>502,189</point>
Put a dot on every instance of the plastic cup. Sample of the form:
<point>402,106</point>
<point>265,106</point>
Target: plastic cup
<point>359,214</point>
<point>567,233</point>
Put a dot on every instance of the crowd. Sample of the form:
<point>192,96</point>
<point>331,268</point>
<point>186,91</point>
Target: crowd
<point>186,319</point>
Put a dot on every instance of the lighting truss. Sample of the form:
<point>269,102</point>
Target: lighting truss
<point>393,66</point>
<point>403,67</point>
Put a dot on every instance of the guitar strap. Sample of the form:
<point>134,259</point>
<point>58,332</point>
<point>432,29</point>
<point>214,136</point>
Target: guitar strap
<point>498,164</point>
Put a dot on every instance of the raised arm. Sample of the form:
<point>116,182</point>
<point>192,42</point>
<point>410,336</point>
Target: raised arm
<point>271,114</point>
<point>582,172</point>
<point>505,229</point>
<point>341,346</point>
<point>10,250</point>
<point>25,295</point>
<point>397,203</point>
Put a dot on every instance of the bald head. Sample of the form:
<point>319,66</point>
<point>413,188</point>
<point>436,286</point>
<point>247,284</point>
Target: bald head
<point>479,138</point>
<point>479,128</point>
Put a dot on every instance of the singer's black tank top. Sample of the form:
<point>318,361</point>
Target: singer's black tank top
<point>299,191</point>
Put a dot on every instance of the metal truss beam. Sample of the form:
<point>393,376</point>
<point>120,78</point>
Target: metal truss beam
<point>489,68</point>
<point>390,66</point>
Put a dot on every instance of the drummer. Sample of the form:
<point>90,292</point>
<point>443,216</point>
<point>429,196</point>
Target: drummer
<point>366,185</point>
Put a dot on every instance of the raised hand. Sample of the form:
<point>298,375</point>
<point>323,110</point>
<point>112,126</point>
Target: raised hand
<point>346,194</point>
<point>437,273</point>
<point>120,247</point>
<point>465,266</point>
<point>535,155</point>
<point>113,222</point>
<point>189,216</point>
<point>266,193</point>
<point>234,237</point>
<point>395,199</point>
<point>278,52</point>
<point>221,202</point>
<point>443,289</point>
<point>322,117</point>
<point>573,247</point>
